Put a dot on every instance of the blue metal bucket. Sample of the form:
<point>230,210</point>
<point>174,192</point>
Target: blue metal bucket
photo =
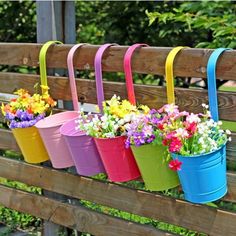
<point>203,177</point>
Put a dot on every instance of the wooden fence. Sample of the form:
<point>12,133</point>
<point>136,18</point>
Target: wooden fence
<point>189,63</point>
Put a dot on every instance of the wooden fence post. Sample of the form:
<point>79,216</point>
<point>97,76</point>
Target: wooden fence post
<point>59,17</point>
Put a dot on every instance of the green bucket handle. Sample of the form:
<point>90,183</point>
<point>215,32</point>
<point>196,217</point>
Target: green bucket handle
<point>42,65</point>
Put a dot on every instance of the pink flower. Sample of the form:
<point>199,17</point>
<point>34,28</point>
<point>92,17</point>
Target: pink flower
<point>171,135</point>
<point>170,109</point>
<point>181,114</point>
<point>175,165</point>
<point>175,145</point>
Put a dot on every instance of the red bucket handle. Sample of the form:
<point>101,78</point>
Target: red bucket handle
<point>128,71</point>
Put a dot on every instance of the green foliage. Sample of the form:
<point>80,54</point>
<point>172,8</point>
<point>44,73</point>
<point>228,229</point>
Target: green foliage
<point>123,23</point>
<point>138,219</point>
<point>203,23</point>
<point>19,24</point>
<point>16,219</point>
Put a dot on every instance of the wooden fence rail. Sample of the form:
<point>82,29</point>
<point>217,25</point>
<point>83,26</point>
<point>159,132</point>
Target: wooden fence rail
<point>154,205</point>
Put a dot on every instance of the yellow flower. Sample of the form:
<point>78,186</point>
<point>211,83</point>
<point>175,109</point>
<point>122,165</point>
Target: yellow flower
<point>144,108</point>
<point>44,87</point>
<point>3,109</point>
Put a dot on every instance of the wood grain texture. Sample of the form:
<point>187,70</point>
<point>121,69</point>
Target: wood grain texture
<point>231,149</point>
<point>153,96</point>
<point>174,211</point>
<point>7,141</point>
<point>189,62</point>
<point>231,196</point>
<point>75,217</point>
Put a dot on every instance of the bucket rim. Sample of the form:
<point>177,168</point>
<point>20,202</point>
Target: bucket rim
<point>199,155</point>
<point>41,124</point>
<point>117,137</point>
<point>64,132</point>
<point>33,126</point>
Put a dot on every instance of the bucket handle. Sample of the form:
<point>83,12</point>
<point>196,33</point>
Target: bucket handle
<point>169,73</point>
<point>211,81</point>
<point>42,65</point>
<point>70,67</point>
<point>98,73</point>
<point>128,71</point>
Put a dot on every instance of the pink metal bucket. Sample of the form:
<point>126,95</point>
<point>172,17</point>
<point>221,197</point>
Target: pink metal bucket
<point>119,161</point>
<point>49,129</point>
<point>81,146</point>
<point>83,150</point>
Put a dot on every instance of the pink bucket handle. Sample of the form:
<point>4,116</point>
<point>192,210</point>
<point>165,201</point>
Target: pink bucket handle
<point>98,73</point>
<point>128,71</point>
<point>70,66</point>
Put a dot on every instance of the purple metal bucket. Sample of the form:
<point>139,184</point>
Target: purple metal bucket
<point>82,149</point>
<point>49,129</point>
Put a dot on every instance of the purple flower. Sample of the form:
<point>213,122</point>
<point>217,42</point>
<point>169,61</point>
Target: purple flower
<point>153,111</point>
<point>9,116</point>
<point>39,117</point>
<point>127,143</point>
<point>13,124</point>
<point>21,115</point>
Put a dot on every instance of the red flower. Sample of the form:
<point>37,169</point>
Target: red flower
<point>165,142</point>
<point>191,127</point>
<point>160,126</point>
<point>29,111</point>
<point>175,145</point>
<point>175,165</point>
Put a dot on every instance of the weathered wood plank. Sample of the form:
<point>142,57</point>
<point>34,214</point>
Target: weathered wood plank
<point>231,196</point>
<point>153,96</point>
<point>231,149</point>
<point>7,141</point>
<point>174,211</point>
<point>75,217</point>
<point>190,62</point>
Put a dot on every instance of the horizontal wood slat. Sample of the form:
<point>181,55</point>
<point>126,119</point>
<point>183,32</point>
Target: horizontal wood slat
<point>201,218</point>
<point>7,141</point>
<point>190,62</point>
<point>75,217</point>
<point>153,96</point>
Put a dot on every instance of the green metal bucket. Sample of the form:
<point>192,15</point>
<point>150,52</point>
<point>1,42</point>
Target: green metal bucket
<point>153,165</point>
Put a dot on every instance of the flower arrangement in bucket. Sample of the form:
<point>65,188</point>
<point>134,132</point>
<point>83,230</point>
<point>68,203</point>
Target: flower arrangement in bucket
<point>21,114</point>
<point>26,110</point>
<point>197,145</point>
<point>144,136</point>
<point>108,130</point>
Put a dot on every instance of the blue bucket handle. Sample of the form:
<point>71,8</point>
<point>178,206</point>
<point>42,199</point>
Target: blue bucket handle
<point>211,81</point>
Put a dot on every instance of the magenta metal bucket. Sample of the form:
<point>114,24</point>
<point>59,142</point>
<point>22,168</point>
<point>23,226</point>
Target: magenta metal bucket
<point>82,149</point>
<point>49,129</point>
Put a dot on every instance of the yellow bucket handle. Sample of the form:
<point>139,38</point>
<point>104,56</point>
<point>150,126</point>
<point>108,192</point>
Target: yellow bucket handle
<point>169,73</point>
